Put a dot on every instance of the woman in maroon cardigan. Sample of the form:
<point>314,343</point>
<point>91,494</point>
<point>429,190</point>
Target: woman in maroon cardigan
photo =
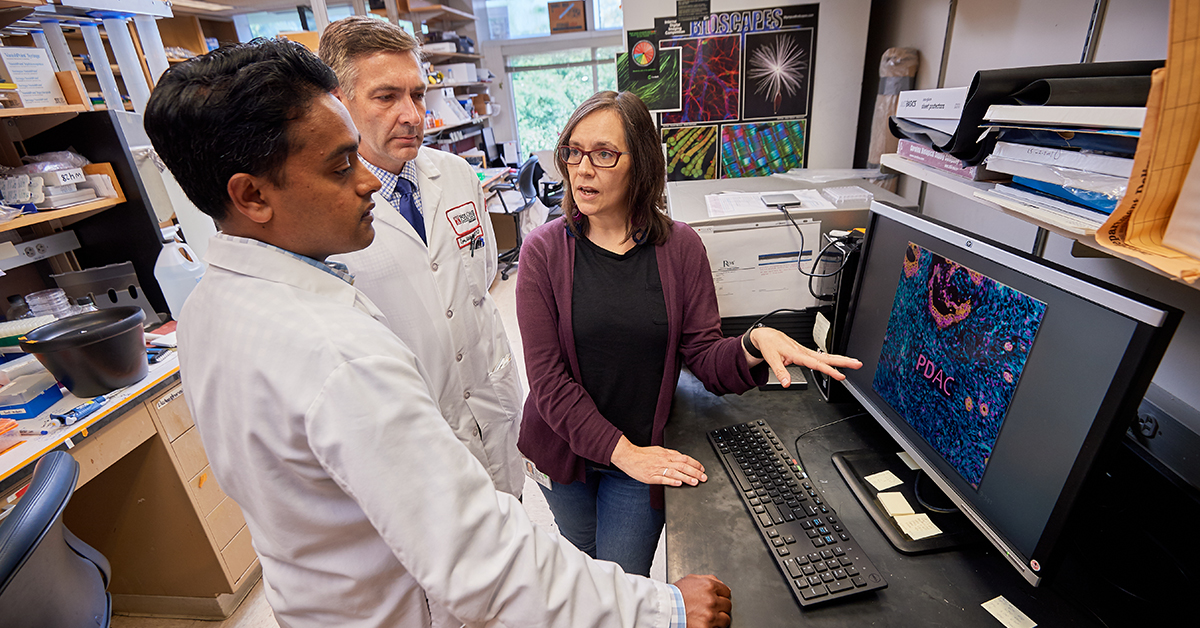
<point>612,299</point>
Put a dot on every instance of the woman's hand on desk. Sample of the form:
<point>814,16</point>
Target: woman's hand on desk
<point>657,465</point>
<point>779,350</point>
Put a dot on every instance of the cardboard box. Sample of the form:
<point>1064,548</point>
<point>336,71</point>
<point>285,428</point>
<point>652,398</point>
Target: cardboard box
<point>567,17</point>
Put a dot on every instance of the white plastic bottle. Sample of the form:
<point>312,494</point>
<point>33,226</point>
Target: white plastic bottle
<point>177,270</point>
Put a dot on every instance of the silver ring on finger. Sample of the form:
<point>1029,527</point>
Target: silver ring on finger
<point>665,469</point>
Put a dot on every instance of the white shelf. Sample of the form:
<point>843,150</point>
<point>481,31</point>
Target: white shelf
<point>967,189</point>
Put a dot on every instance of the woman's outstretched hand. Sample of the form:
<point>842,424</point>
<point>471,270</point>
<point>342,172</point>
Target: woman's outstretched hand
<point>779,350</point>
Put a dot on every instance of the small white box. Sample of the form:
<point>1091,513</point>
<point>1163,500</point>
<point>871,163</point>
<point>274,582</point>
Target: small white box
<point>440,47</point>
<point>61,177</point>
<point>457,72</point>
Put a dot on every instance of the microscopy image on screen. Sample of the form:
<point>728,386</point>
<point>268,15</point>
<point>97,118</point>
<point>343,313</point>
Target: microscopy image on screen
<point>955,348</point>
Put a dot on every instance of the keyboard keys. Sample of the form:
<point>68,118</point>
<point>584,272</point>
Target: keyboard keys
<point>839,586</point>
<point>814,592</point>
<point>792,568</point>
<point>783,500</point>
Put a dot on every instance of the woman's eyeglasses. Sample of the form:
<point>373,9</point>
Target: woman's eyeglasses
<point>600,158</point>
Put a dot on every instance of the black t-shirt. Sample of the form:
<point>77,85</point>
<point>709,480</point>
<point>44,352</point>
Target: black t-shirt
<point>619,316</point>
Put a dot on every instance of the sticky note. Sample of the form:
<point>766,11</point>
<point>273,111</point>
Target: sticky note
<point>895,504</point>
<point>1009,615</point>
<point>917,527</point>
<point>883,480</point>
<point>908,460</point>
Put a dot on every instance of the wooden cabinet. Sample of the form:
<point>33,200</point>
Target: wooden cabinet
<point>177,544</point>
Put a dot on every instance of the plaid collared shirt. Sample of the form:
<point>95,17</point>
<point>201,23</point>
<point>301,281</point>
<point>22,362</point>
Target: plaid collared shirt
<point>390,180</point>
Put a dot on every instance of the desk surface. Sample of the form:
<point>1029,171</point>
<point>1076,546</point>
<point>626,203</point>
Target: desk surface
<point>16,463</point>
<point>710,531</point>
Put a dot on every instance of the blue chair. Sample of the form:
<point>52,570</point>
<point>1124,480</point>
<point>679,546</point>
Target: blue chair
<point>48,577</point>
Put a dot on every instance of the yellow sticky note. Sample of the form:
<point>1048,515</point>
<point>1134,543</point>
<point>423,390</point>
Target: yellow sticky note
<point>917,527</point>
<point>1009,615</point>
<point>883,480</point>
<point>895,504</point>
<point>908,460</point>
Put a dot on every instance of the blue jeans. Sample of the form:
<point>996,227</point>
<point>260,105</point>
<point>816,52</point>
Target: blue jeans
<point>608,516</point>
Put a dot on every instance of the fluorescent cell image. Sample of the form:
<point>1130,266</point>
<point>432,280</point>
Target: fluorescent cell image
<point>691,153</point>
<point>757,150</point>
<point>957,342</point>
<point>709,79</point>
<point>777,74</point>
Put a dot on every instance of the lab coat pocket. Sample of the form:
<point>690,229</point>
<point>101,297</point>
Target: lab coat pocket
<point>505,381</point>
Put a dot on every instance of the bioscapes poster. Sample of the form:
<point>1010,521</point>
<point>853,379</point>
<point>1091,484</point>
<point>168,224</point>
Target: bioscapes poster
<point>955,348</point>
<point>744,74</point>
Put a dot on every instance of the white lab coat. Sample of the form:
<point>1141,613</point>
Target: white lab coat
<point>436,299</point>
<point>363,506</point>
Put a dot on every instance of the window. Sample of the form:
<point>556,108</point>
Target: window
<point>547,87</point>
<point>271,23</point>
<point>609,14</point>
<point>519,19</point>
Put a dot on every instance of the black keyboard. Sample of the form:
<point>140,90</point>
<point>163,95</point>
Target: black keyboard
<point>810,544</point>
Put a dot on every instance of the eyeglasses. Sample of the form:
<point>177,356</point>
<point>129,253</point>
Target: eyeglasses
<point>600,158</point>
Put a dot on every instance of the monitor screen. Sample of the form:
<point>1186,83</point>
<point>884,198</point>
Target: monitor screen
<point>1000,374</point>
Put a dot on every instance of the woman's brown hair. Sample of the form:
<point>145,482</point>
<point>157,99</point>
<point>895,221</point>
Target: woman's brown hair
<point>648,221</point>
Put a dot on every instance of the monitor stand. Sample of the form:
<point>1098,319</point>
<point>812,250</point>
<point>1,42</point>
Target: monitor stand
<point>956,529</point>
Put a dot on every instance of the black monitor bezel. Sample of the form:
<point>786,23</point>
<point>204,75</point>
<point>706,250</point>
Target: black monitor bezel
<point>1155,324</point>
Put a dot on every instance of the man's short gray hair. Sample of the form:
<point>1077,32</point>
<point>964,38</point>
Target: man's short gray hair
<point>357,36</point>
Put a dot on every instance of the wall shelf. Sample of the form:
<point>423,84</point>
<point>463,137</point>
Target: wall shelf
<point>439,57</point>
<point>457,125</point>
<point>17,112</point>
<point>967,189</point>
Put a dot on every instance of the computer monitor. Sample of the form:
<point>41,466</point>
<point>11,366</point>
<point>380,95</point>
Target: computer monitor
<point>1001,374</point>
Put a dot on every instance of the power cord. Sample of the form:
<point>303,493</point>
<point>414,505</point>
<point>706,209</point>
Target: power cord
<point>813,274</point>
<point>796,444</point>
<point>921,500</point>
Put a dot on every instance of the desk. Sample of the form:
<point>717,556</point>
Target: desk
<point>709,530</point>
<point>147,500</point>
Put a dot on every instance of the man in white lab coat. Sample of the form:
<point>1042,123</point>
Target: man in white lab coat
<point>364,508</point>
<point>434,254</point>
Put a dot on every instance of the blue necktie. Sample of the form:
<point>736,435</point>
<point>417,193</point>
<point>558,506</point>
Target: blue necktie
<point>407,206</point>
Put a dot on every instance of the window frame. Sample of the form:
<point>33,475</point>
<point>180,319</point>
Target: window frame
<point>592,40</point>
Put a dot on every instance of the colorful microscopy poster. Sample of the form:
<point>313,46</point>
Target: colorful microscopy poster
<point>742,67</point>
<point>660,91</point>
<point>777,74</point>
<point>758,150</point>
<point>710,79</point>
<point>955,348</point>
<point>691,152</point>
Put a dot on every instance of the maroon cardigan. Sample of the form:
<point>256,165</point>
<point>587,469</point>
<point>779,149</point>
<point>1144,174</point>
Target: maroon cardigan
<point>561,425</point>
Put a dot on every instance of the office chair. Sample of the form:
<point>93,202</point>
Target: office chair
<point>48,577</point>
<point>550,193</point>
<point>526,184</point>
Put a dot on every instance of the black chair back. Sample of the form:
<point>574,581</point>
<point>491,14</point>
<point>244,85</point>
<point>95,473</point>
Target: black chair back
<point>48,577</point>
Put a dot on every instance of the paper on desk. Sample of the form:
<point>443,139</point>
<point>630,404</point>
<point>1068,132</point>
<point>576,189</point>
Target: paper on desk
<point>908,460</point>
<point>895,504</point>
<point>917,527</point>
<point>883,480</point>
<point>1009,615</point>
<point>747,203</point>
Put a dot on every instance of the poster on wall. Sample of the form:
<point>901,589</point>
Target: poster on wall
<point>750,74</point>
<point>658,89</point>
<point>691,152</point>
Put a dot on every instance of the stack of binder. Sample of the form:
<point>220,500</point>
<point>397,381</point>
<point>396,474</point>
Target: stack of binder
<point>1070,165</point>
